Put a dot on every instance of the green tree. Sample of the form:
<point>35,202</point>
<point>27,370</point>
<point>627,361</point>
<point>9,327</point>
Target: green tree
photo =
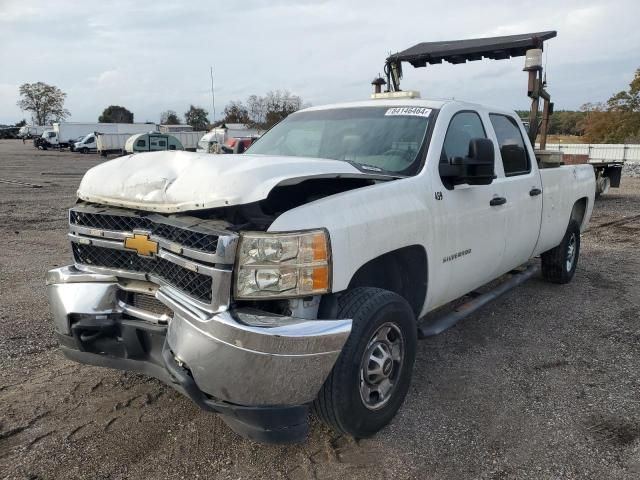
<point>280,104</point>
<point>21,123</point>
<point>617,120</point>
<point>45,102</point>
<point>116,114</point>
<point>263,112</point>
<point>236,112</point>
<point>169,117</point>
<point>196,117</point>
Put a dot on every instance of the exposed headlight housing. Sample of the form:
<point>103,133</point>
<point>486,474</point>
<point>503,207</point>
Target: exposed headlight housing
<point>283,265</point>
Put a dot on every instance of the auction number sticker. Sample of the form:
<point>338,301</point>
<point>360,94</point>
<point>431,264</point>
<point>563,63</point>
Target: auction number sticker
<point>410,111</point>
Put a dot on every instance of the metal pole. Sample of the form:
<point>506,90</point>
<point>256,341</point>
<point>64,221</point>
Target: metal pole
<point>545,125</point>
<point>213,99</point>
<point>533,91</point>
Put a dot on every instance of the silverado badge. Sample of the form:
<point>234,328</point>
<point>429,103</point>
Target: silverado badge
<point>141,244</point>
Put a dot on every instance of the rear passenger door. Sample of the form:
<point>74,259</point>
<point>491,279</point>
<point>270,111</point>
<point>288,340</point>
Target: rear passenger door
<point>522,190</point>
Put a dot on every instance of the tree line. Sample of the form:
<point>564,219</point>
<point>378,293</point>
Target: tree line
<point>615,121</point>
<point>46,105</point>
<point>263,112</point>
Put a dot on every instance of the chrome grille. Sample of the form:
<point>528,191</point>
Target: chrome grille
<point>150,304</point>
<point>195,284</point>
<point>199,240</point>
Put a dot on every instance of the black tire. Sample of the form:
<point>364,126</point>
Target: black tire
<point>559,264</point>
<point>84,150</point>
<point>340,403</point>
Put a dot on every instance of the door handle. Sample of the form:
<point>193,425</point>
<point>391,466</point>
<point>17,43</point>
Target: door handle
<point>497,201</point>
<point>535,191</point>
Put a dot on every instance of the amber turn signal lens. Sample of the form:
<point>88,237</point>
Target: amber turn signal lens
<point>320,278</point>
<point>320,253</point>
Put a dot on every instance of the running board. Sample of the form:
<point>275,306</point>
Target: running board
<point>477,301</point>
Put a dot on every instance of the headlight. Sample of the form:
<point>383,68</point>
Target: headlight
<point>283,265</point>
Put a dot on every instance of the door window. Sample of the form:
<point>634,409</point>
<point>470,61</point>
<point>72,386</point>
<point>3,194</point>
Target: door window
<point>141,143</point>
<point>515,158</point>
<point>463,127</point>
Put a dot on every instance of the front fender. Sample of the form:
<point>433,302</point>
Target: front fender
<point>365,223</point>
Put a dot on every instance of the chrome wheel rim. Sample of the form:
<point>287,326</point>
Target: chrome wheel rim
<point>381,366</point>
<point>571,252</point>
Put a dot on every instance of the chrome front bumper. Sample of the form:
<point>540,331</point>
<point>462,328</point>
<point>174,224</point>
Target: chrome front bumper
<point>237,356</point>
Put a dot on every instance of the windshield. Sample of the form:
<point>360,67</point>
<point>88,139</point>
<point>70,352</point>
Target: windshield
<point>372,138</point>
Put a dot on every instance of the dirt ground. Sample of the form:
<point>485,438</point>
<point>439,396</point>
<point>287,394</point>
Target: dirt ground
<point>544,383</point>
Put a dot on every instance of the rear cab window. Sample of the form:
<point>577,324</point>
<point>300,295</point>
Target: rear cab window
<point>513,150</point>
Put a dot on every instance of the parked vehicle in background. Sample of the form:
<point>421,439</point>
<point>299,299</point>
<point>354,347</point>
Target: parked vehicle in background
<point>213,140</point>
<point>45,140</point>
<point>72,145</point>
<point>67,132</point>
<point>189,140</point>
<point>85,144</point>
<point>9,132</point>
<point>31,131</point>
<point>607,160</point>
<point>115,143</point>
<point>152,142</point>
<point>111,143</point>
<point>174,128</point>
<point>237,145</point>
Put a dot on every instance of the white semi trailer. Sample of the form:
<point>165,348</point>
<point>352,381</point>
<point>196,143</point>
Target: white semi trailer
<point>115,143</point>
<point>66,133</point>
<point>31,131</point>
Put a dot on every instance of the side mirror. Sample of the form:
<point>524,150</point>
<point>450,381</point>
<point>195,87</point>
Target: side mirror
<point>477,168</point>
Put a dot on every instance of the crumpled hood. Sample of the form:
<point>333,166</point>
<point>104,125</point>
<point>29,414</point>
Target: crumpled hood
<point>179,181</point>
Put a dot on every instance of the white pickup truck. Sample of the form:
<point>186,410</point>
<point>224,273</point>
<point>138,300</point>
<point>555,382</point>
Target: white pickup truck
<point>294,276</point>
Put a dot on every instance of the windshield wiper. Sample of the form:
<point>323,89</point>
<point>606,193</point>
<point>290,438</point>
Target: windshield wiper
<point>372,168</point>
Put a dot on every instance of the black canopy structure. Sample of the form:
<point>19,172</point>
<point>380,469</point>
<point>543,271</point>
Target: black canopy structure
<point>495,48</point>
<point>461,51</point>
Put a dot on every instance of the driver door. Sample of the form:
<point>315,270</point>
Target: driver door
<point>475,226</point>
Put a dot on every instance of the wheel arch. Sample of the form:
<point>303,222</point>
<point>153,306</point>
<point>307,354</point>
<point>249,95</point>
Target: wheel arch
<point>404,271</point>
<point>579,211</point>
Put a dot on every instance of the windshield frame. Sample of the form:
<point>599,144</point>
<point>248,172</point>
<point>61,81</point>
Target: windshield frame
<point>416,166</point>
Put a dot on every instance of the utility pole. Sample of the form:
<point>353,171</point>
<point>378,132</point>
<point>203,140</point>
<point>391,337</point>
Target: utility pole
<point>213,99</point>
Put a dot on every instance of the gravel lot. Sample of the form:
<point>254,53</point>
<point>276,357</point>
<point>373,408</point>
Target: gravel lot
<point>544,383</point>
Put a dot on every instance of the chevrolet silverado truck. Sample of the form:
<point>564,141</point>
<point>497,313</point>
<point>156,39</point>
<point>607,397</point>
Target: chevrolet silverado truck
<point>294,276</point>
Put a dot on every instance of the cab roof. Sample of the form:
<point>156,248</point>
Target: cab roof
<point>404,102</point>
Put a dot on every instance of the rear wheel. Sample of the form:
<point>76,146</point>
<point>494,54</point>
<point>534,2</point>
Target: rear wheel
<point>559,263</point>
<point>84,150</point>
<point>371,377</point>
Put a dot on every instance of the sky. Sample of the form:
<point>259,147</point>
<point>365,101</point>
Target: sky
<point>152,56</point>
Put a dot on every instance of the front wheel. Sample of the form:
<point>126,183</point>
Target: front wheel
<point>371,377</point>
<point>559,264</point>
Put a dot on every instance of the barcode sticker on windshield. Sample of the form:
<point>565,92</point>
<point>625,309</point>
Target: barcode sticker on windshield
<point>411,111</point>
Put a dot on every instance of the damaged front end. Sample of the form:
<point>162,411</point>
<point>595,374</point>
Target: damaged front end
<point>152,293</point>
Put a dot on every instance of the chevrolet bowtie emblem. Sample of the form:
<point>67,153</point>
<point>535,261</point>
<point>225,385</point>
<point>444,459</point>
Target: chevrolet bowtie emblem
<point>141,244</point>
